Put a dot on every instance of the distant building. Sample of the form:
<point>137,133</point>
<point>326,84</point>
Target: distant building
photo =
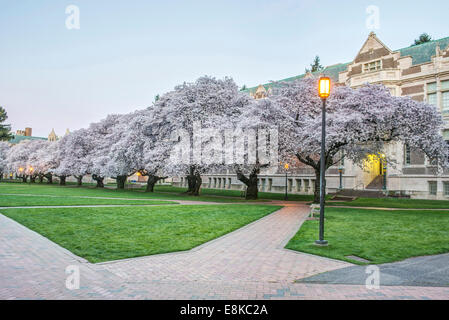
<point>26,134</point>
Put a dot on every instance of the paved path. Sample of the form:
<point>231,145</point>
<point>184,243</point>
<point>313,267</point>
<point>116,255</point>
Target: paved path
<point>430,271</point>
<point>249,263</point>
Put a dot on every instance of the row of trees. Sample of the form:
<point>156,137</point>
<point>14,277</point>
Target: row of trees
<point>359,122</point>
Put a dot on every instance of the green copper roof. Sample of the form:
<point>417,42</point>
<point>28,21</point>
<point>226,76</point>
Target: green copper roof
<point>17,138</point>
<point>423,52</point>
<point>420,54</point>
<point>330,71</point>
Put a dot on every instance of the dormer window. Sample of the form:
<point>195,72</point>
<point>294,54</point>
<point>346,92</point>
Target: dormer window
<point>372,66</point>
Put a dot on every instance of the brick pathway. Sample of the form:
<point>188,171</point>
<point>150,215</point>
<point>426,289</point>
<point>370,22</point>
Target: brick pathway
<point>249,263</point>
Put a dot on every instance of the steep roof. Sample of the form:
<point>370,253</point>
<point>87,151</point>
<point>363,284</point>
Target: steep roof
<point>18,138</point>
<point>420,54</point>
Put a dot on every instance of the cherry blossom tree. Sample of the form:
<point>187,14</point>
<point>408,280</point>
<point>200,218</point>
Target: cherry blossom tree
<point>274,137</point>
<point>75,152</point>
<point>48,161</point>
<point>18,159</point>
<point>4,150</point>
<point>37,163</point>
<point>102,135</point>
<point>206,103</point>
<point>149,145</point>
<point>115,153</point>
<point>359,122</point>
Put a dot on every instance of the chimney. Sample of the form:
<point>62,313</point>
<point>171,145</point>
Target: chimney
<point>28,132</point>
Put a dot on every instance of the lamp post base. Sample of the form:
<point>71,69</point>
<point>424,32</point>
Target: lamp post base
<point>321,243</point>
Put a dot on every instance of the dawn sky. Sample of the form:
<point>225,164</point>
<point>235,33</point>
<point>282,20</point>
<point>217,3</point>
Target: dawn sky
<point>126,52</point>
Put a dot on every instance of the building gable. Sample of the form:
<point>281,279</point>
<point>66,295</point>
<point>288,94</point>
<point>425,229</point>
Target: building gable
<point>372,49</point>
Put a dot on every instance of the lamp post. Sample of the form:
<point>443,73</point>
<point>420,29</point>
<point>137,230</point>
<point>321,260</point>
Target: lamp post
<point>340,172</point>
<point>384,172</point>
<point>286,180</point>
<point>324,89</point>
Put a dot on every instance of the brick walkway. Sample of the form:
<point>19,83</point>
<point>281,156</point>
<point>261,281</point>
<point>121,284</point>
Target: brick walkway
<point>249,263</point>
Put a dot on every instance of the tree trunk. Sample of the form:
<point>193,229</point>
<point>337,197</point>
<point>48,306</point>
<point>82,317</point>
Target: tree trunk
<point>316,191</point>
<point>79,180</point>
<point>194,182</point>
<point>62,180</point>
<point>252,189</point>
<point>24,179</point>
<point>152,180</point>
<point>41,178</point>
<point>198,182</point>
<point>191,180</point>
<point>99,180</point>
<point>49,178</point>
<point>121,180</point>
<point>251,182</point>
<point>33,179</point>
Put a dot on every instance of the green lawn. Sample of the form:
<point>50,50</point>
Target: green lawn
<point>161,192</point>
<point>376,235</point>
<point>104,234</point>
<point>236,193</point>
<point>395,203</point>
<point>89,191</point>
<point>39,200</point>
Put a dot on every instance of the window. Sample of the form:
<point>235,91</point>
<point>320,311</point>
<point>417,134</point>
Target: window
<point>445,85</point>
<point>431,87</point>
<point>298,185</point>
<point>445,96</point>
<point>432,93</point>
<point>372,66</point>
<point>432,99</point>
<point>433,188</point>
<point>407,160</point>
<point>446,188</point>
<point>306,185</point>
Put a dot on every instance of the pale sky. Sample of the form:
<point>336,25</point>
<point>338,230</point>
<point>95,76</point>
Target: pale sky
<point>126,52</point>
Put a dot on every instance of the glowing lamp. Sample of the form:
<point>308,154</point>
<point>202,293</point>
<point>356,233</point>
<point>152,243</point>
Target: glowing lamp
<point>286,166</point>
<point>20,169</point>
<point>324,87</point>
